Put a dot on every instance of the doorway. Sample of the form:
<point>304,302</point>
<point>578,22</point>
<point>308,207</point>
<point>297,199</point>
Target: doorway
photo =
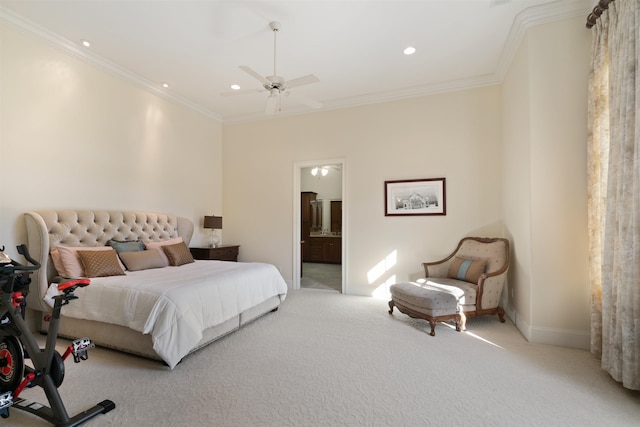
<point>319,225</point>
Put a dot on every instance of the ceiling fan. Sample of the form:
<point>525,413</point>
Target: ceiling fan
<point>277,85</point>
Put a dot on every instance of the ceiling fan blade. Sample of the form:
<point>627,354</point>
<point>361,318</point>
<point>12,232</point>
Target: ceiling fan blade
<point>255,75</point>
<point>272,103</point>
<point>241,92</point>
<point>309,102</point>
<point>301,81</point>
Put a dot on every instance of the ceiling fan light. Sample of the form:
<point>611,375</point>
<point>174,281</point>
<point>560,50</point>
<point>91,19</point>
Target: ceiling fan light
<point>324,171</point>
<point>314,171</point>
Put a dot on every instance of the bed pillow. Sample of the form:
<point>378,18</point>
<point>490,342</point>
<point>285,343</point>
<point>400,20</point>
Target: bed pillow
<point>71,266</point>
<point>143,260</point>
<point>126,246</point>
<point>57,262</point>
<point>100,263</point>
<point>466,269</point>
<point>178,254</point>
<point>158,245</point>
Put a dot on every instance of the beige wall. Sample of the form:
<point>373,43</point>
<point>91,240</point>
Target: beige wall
<point>516,196</point>
<point>545,134</point>
<point>454,135</point>
<point>74,136</point>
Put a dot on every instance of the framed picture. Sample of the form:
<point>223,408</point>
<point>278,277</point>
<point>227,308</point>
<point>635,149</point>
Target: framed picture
<point>415,197</point>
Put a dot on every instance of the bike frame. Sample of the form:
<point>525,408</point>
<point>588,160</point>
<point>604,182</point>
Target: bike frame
<point>42,373</point>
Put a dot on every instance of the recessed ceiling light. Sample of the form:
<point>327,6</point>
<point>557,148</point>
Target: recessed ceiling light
<point>235,87</point>
<point>165,85</point>
<point>409,51</point>
<point>85,43</point>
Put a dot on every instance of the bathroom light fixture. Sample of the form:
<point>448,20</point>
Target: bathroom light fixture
<point>323,171</point>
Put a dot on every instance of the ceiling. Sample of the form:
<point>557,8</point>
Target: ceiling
<point>355,48</point>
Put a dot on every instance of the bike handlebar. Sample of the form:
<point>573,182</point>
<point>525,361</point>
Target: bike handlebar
<point>13,267</point>
<point>24,251</point>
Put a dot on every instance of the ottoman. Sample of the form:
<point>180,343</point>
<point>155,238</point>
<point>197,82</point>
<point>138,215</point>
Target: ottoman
<point>429,301</point>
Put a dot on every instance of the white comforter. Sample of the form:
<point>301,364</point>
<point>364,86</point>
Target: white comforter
<point>175,304</point>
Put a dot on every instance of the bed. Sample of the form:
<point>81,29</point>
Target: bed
<point>162,312</point>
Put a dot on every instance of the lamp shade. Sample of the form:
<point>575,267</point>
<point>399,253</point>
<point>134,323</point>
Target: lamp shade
<point>214,222</point>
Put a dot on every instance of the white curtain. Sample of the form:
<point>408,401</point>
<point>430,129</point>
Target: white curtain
<point>614,192</point>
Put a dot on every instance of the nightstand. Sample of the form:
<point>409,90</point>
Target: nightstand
<point>220,253</point>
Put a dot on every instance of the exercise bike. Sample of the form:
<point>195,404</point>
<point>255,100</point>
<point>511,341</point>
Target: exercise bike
<point>17,344</point>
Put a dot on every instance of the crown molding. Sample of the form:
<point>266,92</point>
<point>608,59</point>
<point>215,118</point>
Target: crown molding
<point>559,10</point>
<point>72,48</point>
<point>388,96</point>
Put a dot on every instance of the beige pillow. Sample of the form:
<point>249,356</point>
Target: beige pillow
<point>160,243</point>
<point>100,263</point>
<point>178,254</point>
<point>143,260</point>
<point>57,262</point>
<point>466,269</point>
<point>69,261</point>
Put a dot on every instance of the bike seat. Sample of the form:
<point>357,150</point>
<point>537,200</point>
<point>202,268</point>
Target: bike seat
<point>71,284</point>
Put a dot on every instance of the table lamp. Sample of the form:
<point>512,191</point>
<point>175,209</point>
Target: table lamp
<point>214,223</point>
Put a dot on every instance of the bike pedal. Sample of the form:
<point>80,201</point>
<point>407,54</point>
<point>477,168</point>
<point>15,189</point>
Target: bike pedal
<point>6,400</point>
<point>80,348</point>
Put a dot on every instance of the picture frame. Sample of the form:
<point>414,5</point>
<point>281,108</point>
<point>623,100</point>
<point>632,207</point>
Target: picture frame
<point>415,197</point>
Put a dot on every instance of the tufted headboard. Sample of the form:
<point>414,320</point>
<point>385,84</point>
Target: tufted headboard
<point>47,229</point>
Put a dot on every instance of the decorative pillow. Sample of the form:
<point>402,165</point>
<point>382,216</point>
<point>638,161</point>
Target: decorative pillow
<point>100,263</point>
<point>57,262</point>
<point>143,260</point>
<point>160,243</point>
<point>71,264</point>
<point>126,246</point>
<point>465,269</point>
<point>178,254</point>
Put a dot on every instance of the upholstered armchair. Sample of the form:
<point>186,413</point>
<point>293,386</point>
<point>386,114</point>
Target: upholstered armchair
<point>478,267</point>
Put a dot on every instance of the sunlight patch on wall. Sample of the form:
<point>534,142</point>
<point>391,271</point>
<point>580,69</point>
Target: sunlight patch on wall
<point>378,273</point>
<point>382,291</point>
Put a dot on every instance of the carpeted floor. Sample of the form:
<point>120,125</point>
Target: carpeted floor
<point>327,359</point>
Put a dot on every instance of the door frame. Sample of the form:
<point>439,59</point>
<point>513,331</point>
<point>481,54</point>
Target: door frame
<point>297,219</point>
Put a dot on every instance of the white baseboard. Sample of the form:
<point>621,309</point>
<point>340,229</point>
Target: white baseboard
<point>561,337</point>
<point>551,336</point>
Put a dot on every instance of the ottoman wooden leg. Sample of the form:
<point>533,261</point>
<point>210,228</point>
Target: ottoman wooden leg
<point>391,304</point>
<point>433,322</point>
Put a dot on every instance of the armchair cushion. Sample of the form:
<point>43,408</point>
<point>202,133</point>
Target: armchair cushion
<point>467,269</point>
